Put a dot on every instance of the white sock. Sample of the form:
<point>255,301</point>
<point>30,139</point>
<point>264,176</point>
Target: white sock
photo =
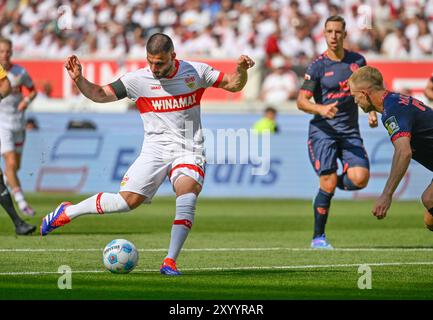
<point>185,209</point>
<point>99,203</point>
<point>19,198</point>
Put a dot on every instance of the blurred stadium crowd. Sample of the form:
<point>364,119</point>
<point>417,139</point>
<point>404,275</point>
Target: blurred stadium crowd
<point>279,34</point>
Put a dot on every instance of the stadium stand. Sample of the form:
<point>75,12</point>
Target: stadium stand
<point>113,30</point>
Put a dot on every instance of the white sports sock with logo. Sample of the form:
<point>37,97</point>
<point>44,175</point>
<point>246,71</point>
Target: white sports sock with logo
<point>99,203</point>
<point>185,210</point>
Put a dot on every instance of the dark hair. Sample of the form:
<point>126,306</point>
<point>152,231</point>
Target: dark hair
<point>336,19</point>
<point>270,109</point>
<point>159,43</point>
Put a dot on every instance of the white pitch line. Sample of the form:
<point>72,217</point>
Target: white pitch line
<point>373,264</point>
<point>223,249</point>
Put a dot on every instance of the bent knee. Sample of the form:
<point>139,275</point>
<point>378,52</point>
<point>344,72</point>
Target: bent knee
<point>132,199</point>
<point>427,200</point>
<point>359,177</point>
<point>328,183</point>
<point>360,182</point>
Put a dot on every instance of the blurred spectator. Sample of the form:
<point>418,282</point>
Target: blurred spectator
<point>280,85</point>
<point>138,48</point>
<point>114,29</point>
<point>46,92</point>
<point>81,125</point>
<point>395,45</point>
<point>267,122</point>
<point>29,24</point>
<point>298,45</point>
<point>200,44</point>
<point>31,124</point>
<point>422,44</point>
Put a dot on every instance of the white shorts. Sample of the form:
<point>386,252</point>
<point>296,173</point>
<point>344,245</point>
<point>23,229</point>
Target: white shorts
<point>150,169</point>
<point>12,140</point>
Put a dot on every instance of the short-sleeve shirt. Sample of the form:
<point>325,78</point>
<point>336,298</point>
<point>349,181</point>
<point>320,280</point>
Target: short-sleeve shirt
<point>405,116</point>
<point>170,107</point>
<point>10,117</point>
<point>327,81</point>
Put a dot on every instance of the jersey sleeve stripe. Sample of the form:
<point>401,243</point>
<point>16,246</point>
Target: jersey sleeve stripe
<point>401,134</point>
<point>218,80</point>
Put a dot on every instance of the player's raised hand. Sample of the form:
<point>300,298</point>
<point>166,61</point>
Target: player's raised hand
<point>329,110</point>
<point>383,203</point>
<point>372,119</point>
<point>73,65</point>
<point>245,62</point>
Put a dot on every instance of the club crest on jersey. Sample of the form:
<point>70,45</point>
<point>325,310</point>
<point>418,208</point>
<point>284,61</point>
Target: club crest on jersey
<point>391,125</point>
<point>354,67</point>
<point>190,82</point>
<point>307,77</point>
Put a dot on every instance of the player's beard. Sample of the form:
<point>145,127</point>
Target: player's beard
<point>164,73</point>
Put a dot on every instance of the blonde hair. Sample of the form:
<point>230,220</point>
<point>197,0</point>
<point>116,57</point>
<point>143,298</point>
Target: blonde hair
<point>367,76</point>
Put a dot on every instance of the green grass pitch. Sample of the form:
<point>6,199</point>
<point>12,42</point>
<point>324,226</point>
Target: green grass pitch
<point>237,249</point>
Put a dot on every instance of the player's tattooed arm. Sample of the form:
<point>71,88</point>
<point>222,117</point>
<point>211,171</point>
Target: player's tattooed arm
<point>400,163</point>
<point>304,104</point>
<point>92,91</point>
<point>236,81</point>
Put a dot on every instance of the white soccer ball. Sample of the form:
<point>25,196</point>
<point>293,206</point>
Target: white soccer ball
<point>120,256</point>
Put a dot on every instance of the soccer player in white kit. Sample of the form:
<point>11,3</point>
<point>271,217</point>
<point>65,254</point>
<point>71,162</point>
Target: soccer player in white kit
<point>167,94</point>
<point>12,122</point>
<point>21,227</point>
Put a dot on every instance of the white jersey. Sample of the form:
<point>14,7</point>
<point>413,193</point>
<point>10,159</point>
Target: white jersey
<point>10,117</point>
<point>170,107</point>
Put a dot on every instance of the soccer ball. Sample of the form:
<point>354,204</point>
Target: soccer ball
<point>120,256</point>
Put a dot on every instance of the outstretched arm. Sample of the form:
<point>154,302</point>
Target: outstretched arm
<point>92,91</point>
<point>236,81</point>
<point>400,163</point>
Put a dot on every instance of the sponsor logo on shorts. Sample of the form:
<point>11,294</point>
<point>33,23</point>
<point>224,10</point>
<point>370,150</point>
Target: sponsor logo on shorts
<point>391,125</point>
